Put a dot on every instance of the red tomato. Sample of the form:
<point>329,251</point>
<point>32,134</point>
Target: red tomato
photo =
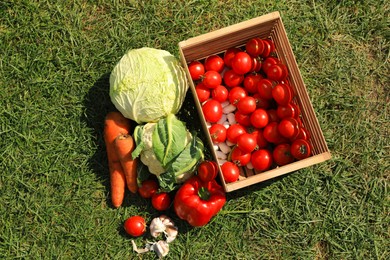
<point>267,49</point>
<point>284,111</point>
<point>212,110</point>
<point>242,119</point>
<point>161,201</point>
<point>148,188</point>
<point>272,135</point>
<point>268,62</point>
<point>246,105</point>
<point>256,64</point>
<point>234,131</point>
<point>251,81</point>
<point>228,56</point>
<point>288,127</point>
<point>261,159</point>
<point>242,63</point>
<point>282,155</point>
<point>261,102</point>
<point>271,43</point>
<point>202,92</point>
<point>212,79</point>
<point>220,93</point>
<point>247,142</point>
<point>236,94</point>
<point>196,69</point>
<point>264,88</point>
<point>240,157</point>
<point>254,47</point>
<point>302,134</point>
<point>272,115</point>
<point>259,118</point>
<point>300,149</point>
<point>230,172</point>
<point>218,133</point>
<point>207,170</point>
<point>276,72</point>
<point>214,62</point>
<point>282,94</point>
<point>232,79</point>
<point>261,141</point>
<point>296,109</point>
<point>135,226</point>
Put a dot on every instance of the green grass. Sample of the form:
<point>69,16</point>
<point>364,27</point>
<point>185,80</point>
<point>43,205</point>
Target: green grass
<point>55,58</point>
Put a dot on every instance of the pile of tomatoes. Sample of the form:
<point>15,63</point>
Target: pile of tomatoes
<point>250,108</point>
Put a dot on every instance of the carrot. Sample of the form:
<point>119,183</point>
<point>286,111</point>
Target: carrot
<point>115,124</point>
<point>124,145</point>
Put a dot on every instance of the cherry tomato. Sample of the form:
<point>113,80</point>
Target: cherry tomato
<point>202,92</point>
<point>288,127</point>
<point>247,142</point>
<point>230,172</point>
<point>272,115</point>
<point>254,47</point>
<point>261,102</point>
<point>271,43</point>
<point>267,49</point>
<point>259,118</point>
<point>268,62</point>
<point>196,69</point>
<point>234,131</point>
<point>232,79</point>
<point>148,188</point>
<point>211,79</point>
<point>256,64</point>
<point>207,170</point>
<point>276,72</point>
<point>220,93</point>
<point>214,62</point>
<point>272,135</point>
<point>240,157</point>
<point>300,149</point>
<point>161,201</point>
<point>218,133</point>
<point>242,63</point>
<point>264,88</point>
<point>135,226</point>
<point>242,119</point>
<point>297,110</point>
<point>282,155</point>
<point>283,111</point>
<point>251,81</point>
<point>236,94</point>
<point>212,110</point>
<point>260,140</point>
<point>282,94</point>
<point>261,159</point>
<point>302,134</point>
<point>246,105</point>
<point>228,56</point>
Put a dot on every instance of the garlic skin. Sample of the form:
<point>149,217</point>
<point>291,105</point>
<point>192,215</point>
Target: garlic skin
<point>156,227</point>
<point>163,224</point>
<point>161,248</point>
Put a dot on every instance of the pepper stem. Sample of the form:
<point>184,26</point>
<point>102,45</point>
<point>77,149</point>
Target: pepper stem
<point>204,193</point>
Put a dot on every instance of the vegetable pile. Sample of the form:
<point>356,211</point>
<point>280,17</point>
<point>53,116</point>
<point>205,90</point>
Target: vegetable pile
<point>250,108</point>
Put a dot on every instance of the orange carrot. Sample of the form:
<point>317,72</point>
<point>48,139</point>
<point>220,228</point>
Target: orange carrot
<point>115,124</point>
<point>124,146</point>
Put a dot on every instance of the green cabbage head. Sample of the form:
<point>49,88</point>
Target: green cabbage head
<point>148,84</point>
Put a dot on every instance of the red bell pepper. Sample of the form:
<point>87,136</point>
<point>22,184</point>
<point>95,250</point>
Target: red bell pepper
<point>197,201</point>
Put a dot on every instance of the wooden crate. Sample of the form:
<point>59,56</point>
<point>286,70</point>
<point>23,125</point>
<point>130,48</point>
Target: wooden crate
<point>266,26</point>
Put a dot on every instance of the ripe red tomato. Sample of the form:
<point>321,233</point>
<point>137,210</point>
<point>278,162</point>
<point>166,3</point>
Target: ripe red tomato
<point>236,94</point>
<point>207,170</point>
<point>214,62</point>
<point>268,62</point>
<point>196,69</point>
<point>282,94</point>
<point>259,118</point>
<point>272,115</point>
<point>202,92</point>
<point>217,133</point>
<point>230,172</point>
<point>260,140</point>
<point>251,81</point>
<point>232,79</point>
<point>261,159</point>
<point>272,135</point>
<point>240,157</point>
<point>148,188</point>
<point>234,131</point>
<point>256,64</point>
<point>276,72</point>
<point>267,49</point>
<point>271,43</point>
<point>261,102</point>
<point>283,111</point>
<point>264,88</point>
<point>247,142</point>
<point>242,63</point>
<point>211,79</point>
<point>288,127</point>
<point>300,149</point>
<point>302,134</point>
<point>212,110</point>
<point>254,47</point>
<point>135,226</point>
<point>242,119</point>
<point>282,155</point>
<point>220,93</point>
<point>228,56</point>
<point>246,105</point>
<point>161,201</point>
